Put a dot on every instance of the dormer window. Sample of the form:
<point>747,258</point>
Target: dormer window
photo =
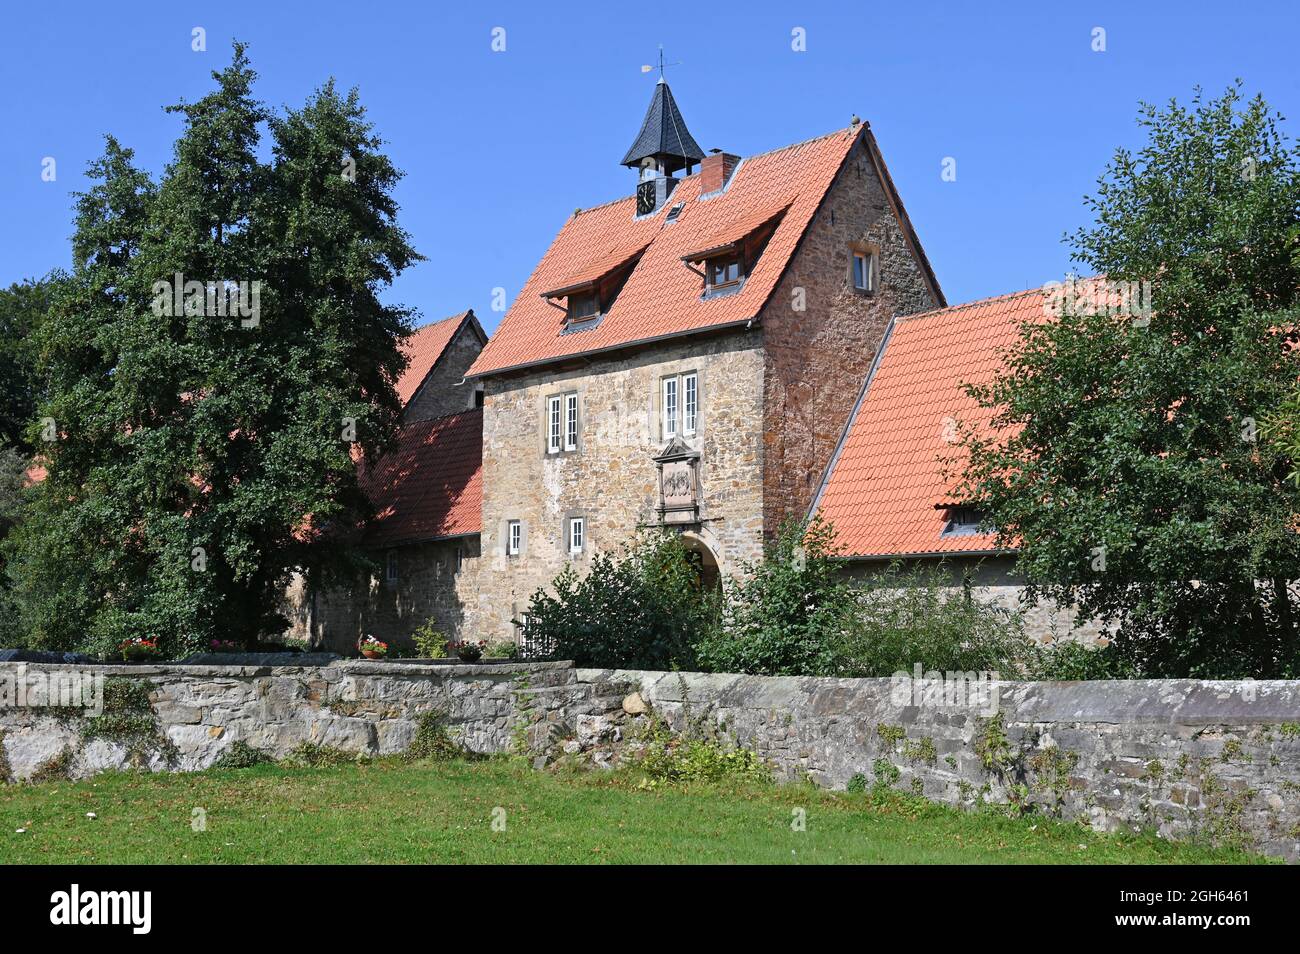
<point>964,521</point>
<point>724,271</point>
<point>584,306</point>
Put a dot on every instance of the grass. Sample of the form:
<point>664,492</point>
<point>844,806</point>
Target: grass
<point>390,812</point>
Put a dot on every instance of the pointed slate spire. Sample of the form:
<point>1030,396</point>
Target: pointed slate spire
<point>664,135</point>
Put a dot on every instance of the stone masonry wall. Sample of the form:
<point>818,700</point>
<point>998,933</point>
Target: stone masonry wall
<point>432,585</point>
<point>1185,757</point>
<point>611,479</point>
<point>370,708</point>
<point>817,358</point>
<point>1221,759</point>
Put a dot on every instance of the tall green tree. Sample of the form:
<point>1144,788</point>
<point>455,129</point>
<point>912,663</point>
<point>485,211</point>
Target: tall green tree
<point>219,357</point>
<point>1128,467</point>
<point>22,305</point>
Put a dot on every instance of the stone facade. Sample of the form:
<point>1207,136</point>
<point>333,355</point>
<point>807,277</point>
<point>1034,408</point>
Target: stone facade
<point>435,582</point>
<point>611,479</point>
<point>773,401</point>
<point>820,335</point>
<point>445,390</point>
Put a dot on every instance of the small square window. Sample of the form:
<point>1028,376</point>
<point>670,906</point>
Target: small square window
<point>514,538</point>
<point>964,521</point>
<point>577,534</point>
<point>724,271</point>
<point>583,307</point>
<point>864,271</point>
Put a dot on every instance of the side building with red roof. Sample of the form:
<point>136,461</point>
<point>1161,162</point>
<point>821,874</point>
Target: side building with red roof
<point>686,357</point>
<point>427,496</point>
<point>890,490</point>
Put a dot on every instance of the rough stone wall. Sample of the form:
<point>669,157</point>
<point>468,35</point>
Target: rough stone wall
<point>1185,757</point>
<point>994,579</point>
<point>369,708</point>
<point>443,392</point>
<point>428,587</point>
<point>817,359</point>
<point>611,479</point>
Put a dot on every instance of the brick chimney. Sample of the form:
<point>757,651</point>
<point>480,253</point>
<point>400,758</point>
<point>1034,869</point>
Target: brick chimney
<point>716,169</point>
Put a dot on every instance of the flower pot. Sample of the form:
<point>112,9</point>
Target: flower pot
<point>372,654</point>
<point>469,656</point>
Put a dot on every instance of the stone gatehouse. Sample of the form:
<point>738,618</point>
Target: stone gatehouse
<point>690,356</point>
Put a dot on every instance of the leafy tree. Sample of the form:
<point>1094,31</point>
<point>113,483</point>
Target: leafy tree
<point>1126,465</point>
<point>784,616</point>
<point>202,449</point>
<point>642,609</point>
<point>21,306</point>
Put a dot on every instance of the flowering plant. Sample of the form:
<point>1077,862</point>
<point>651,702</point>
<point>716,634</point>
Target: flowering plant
<point>372,647</point>
<point>467,650</point>
<point>138,647</point>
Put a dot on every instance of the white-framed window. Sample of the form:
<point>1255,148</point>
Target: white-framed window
<point>679,408</point>
<point>514,537</point>
<point>553,423</point>
<point>668,410</point>
<point>390,566</point>
<point>690,402</point>
<point>864,271</point>
<point>577,534</point>
<point>571,422</point>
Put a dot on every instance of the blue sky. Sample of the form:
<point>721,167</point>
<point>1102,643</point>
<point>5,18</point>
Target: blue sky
<point>500,147</point>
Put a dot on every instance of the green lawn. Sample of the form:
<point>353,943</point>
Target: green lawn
<point>391,812</point>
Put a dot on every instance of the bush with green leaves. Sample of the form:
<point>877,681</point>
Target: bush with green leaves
<point>784,615</point>
<point>430,642</point>
<point>1125,461</point>
<point>1073,661</point>
<point>904,616</point>
<point>641,609</point>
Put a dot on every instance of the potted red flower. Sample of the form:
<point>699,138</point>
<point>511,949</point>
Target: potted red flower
<point>372,648</point>
<point>139,648</point>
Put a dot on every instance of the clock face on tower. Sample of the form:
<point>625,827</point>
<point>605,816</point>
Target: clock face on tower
<point>645,198</point>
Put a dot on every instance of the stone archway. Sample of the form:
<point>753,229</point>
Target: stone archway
<point>705,554</point>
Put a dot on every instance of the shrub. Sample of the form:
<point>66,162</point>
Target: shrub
<point>240,755</point>
<point>640,610</point>
<point>903,617</point>
<point>312,755</point>
<point>784,615</point>
<point>430,642</point>
<point>508,650</point>
<point>1069,661</point>
<point>432,741</point>
<point>697,756</point>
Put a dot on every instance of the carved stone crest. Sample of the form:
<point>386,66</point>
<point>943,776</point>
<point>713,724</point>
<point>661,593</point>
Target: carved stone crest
<point>678,483</point>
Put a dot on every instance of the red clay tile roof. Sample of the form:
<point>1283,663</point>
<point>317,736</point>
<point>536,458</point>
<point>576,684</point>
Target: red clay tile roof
<point>597,269</point>
<point>662,296</point>
<point>430,484</point>
<point>888,472</point>
<point>424,348</point>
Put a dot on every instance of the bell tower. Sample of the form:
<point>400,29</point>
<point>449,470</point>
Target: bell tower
<point>663,147</point>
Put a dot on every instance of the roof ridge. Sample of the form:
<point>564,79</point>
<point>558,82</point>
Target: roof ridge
<point>1005,296</point>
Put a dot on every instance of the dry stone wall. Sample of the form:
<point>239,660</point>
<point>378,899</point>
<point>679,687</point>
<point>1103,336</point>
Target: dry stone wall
<point>1220,760</point>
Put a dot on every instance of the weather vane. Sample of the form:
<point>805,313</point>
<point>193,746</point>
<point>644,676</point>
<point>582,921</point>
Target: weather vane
<point>662,65</point>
